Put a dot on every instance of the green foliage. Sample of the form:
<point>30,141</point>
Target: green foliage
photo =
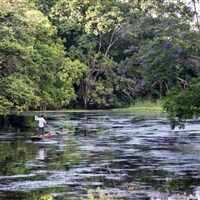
<point>92,54</point>
<point>99,82</point>
<point>44,5</point>
<point>161,59</point>
<point>102,19</point>
<point>21,27</point>
<point>30,46</point>
<point>5,105</point>
<point>99,196</point>
<point>182,105</point>
<point>101,96</point>
<point>70,74</point>
<point>94,33</point>
<point>18,93</point>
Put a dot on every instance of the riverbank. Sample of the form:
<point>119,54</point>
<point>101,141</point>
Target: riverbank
<point>144,105</point>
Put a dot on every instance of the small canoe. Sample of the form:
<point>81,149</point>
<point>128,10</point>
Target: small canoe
<point>50,134</point>
<point>36,137</point>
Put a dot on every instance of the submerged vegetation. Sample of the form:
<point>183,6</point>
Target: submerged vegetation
<point>97,194</point>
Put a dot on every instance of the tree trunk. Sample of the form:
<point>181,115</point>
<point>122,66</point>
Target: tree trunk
<point>85,97</point>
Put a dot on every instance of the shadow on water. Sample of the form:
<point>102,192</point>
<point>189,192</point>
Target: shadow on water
<point>126,155</point>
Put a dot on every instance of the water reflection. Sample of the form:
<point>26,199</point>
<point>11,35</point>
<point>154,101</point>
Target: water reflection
<point>42,152</point>
<point>126,155</point>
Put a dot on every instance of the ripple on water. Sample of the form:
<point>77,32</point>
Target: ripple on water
<point>32,185</point>
<point>128,160</point>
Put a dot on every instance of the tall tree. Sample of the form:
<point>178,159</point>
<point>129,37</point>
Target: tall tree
<point>30,47</point>
<point>160,44</point>
<point>93,32</point>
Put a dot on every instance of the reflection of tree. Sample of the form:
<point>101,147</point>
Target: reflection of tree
<point>15,123</point>
<point>183,185</point>
<point>12,153</point>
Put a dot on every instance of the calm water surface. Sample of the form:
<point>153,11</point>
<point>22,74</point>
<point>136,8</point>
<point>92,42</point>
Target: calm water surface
<point>126,155</point>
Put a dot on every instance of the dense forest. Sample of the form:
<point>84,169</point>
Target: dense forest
<point>99,54</point>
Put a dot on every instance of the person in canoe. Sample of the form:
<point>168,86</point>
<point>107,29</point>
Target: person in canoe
<point>41,124</point>
<point>61,125</point>
<point>41,132</point>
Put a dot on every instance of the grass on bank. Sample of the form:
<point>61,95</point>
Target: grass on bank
<point>143,105</point>
<point>139,105</point>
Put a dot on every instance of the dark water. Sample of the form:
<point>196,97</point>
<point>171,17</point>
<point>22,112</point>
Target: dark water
<point>125,155</point>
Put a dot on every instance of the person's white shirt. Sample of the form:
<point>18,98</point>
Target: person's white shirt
<point>42,122</point>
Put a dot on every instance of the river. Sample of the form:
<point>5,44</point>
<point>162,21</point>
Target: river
<point>117,155</point>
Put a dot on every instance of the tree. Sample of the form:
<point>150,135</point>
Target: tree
<point>17,94</point>
<point>93,32</point>
<point>91,54</point>
<point>182,105</point>
<point>70,74</point>
<point>31,47</point>
<point>158,54</point>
